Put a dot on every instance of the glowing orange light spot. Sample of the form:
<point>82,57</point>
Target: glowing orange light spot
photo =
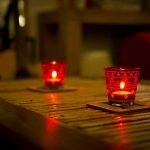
<point>53,62</point>
<point>118,118</point>
<point>121,92</point>
<point>53,98</point>
<point>54,74</point>
<point>121,124</point>
<point>122,85</point>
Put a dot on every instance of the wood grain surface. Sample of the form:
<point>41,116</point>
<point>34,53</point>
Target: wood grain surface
<point>128,131</point>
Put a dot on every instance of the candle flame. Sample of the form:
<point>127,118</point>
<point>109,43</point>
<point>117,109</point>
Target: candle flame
<point>54,74</point>
<point>122,85</point>
<point>53,62</point>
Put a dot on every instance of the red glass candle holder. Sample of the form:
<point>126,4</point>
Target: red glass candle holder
<point>121,84</point>
<point>54,73</point>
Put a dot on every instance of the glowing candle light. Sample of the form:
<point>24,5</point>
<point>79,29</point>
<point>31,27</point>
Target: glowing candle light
<point>121,83</point>
<point>54,73</point>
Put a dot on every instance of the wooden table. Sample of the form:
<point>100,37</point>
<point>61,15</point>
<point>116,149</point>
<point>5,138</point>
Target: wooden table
<point>61,120</point>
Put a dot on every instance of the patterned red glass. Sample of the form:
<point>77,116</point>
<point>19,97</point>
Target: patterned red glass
<point>54,73</point>
<point>121,84</point>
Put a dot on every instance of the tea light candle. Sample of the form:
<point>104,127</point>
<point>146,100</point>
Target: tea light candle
<point>121,93</point>
<point>121,83</point>
<point>54,73</point>
<point>53,77</point>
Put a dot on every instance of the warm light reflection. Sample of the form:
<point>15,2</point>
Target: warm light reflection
<point>54,74</point>
<point>53,98</point>
<point>51,124</point>
<point>22,21</point>
<point>50,131</point>
<point>122,85</point>
<point>119,118</point>
<point>53,102</point>
<point>122,136</point>
<point>121,127</point>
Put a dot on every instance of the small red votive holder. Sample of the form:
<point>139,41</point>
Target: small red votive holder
<point>121,84</point>
<point>54,73</point>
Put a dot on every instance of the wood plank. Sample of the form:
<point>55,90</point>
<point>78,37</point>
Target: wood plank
<point>70,108</point>
<point>29,130</point>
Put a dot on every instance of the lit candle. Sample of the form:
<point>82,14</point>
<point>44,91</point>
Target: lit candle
<point>54,73</point>
<point>54,79</point>
<point>121,93</point>
<point>121,83</point>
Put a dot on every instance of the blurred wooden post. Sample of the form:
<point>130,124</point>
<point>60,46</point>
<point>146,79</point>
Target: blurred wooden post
<point>20,30</point>
<point>70,35</point>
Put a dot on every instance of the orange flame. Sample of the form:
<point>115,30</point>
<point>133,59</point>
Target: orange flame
<point>54,74</point>
<point>122,85</point>
<point>53,62</point>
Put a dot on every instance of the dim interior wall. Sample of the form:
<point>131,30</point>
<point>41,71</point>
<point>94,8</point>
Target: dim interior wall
<point>3,9</point>
<point>97,37</point>
<point>97,48</point>
<point>34,7</point>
